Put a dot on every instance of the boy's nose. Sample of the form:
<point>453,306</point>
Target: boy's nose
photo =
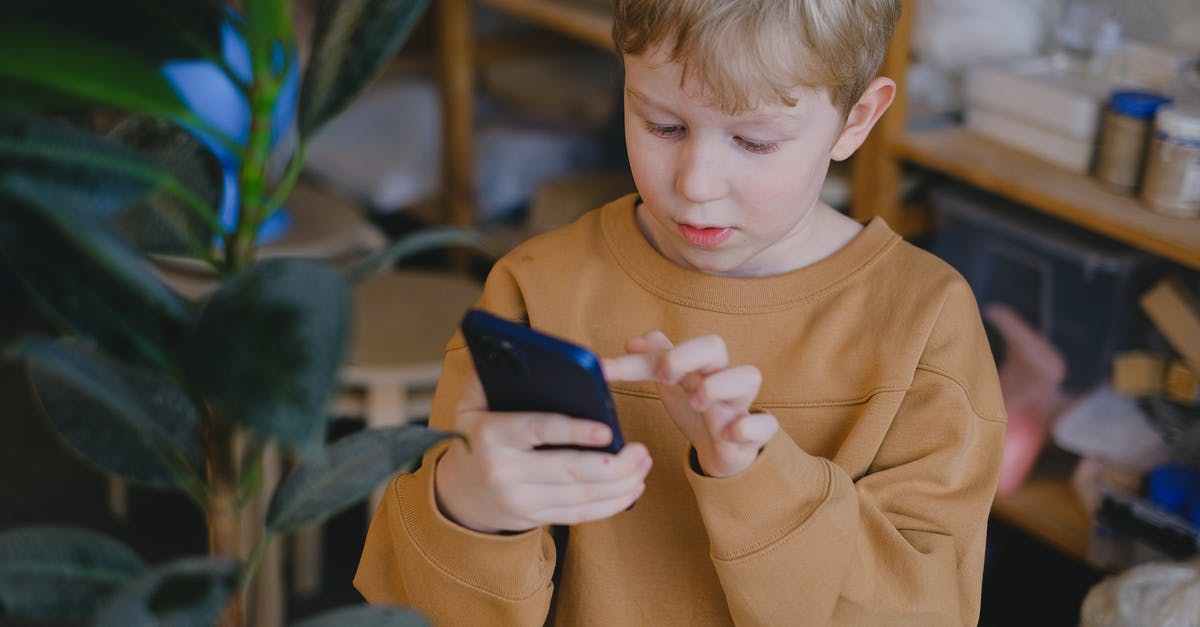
<point>699,175</point>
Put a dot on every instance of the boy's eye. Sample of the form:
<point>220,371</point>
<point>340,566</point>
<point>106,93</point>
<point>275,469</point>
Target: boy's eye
<point>665,130</point>
<point>758,148</point>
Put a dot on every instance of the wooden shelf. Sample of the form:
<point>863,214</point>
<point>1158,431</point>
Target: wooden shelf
<point>1046,509</point>
<point>586,22</point>
<point>1053,190</point>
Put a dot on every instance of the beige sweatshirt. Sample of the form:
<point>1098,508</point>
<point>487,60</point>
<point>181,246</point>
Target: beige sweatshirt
<point>869,507</point>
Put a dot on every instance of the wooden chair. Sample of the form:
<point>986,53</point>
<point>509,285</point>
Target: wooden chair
<point>402,321</point>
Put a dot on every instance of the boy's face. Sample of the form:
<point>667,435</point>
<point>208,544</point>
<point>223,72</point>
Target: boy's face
<point>729,195</point>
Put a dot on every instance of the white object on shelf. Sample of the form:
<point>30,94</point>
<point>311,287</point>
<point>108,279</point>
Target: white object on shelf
<point>1106,426</point>
<point>1041,93</point>
<point>1072,153</point>
<point>1155,65</point>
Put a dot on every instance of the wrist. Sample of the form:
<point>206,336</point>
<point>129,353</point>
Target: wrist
<point>719,470</point>
<point>444,492</point>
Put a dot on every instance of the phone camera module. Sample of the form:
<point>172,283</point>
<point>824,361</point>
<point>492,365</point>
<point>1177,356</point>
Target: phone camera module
<point>502,353</point>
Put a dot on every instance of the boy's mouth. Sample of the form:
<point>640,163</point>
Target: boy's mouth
<point>704,236</point>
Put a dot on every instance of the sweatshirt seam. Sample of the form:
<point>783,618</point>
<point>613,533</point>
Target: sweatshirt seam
<point>772,540</point>
<point>419,540</point>
<point>982,415</point>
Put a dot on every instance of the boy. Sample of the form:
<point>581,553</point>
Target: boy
<point>817,397</point>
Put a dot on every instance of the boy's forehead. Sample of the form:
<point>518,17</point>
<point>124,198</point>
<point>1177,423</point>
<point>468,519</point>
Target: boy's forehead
<point>755,99</point>
<point>668,79</point>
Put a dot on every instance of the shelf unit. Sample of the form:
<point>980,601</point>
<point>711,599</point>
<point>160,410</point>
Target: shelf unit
<point>1044,507</point>
<point>1081,200</point>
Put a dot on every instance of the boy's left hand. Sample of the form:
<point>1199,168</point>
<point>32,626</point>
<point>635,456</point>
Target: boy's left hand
<point>708,399</point>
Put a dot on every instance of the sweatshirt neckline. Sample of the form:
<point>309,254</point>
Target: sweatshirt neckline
<point>691,288</point>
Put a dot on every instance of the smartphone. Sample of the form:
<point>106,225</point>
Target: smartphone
<point>526,370</point>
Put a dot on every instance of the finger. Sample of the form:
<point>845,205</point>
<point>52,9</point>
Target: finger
<point>574,467</point>
<point>654,341</point>
<point>559,495</point>
<point>703,354</point>
<point>737,386</point>
<point>597,510</point>
<point>640,367</point>
<point>529,430</point>
<point>752,429</point>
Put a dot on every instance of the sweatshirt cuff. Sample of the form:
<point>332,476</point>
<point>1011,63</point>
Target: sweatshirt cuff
<point>511,566</point>
<point>757,507</point>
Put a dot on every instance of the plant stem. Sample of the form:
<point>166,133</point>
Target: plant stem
<point>224,526</point>
<point>252,178</point>
<point>289,179</point>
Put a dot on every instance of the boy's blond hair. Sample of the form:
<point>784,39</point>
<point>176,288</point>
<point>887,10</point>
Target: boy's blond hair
<point>744,51</point>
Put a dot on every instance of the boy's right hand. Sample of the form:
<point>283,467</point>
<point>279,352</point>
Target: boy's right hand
<point>500,483</point>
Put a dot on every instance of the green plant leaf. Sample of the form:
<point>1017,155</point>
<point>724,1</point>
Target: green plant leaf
<point>156,30</point>
<point>190,592</point>
<point>420,241</point>
<point>347,471</point>
<point>179,217</point>
<point>366,616</point>
<point>109,54</point>
<point>61,573</point>
<point>86,68</point>
<point>87,280</point>
<point>70,166</point>
<point>268,345</point>
<point>132,423</point>
<point>353,42</point>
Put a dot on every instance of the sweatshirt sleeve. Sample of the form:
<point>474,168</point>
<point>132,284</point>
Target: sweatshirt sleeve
<point>415,556</point>
<point>796,535</point>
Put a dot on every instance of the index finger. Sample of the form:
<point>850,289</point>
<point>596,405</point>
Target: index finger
<point>705,354</point>
<point>629,368</point>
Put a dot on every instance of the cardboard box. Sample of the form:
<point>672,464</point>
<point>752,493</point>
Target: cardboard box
<point>1139,373</point>
<point>1182,383</point>
<point>1175,310</point>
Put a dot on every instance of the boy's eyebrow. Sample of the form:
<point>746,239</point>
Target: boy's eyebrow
<point>745,118</point>
<point>637,95</point>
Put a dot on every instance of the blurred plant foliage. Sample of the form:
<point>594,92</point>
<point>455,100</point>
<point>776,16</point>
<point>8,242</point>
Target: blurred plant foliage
<point>160,390</point>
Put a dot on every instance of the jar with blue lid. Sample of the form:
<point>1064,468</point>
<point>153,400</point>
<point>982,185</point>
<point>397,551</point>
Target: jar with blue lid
<point>1125,136</point>
<point>1172,182</point>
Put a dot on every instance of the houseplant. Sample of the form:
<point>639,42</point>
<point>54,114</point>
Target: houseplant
<point>145,384</point>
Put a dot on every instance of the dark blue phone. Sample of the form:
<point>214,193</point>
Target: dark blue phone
<point>527,370</point>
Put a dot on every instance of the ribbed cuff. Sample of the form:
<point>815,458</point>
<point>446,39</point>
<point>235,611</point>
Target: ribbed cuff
<point>760,505</point>
<point>510,566</point>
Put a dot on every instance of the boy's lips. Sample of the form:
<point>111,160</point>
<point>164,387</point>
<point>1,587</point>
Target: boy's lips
<point>705,236</point>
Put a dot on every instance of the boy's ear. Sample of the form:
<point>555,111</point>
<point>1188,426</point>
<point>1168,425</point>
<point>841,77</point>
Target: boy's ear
<point>863,116</point>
